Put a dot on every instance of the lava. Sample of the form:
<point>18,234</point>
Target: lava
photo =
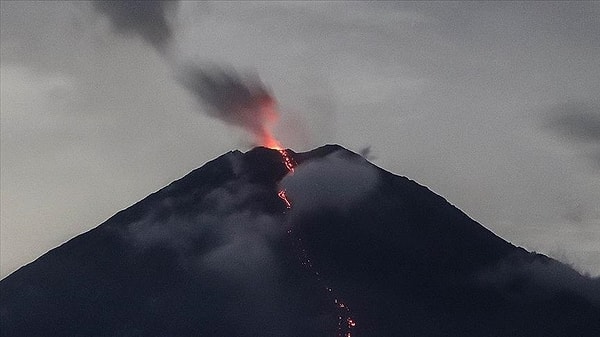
<point>283,197</point>
<point>289,162</point>
<point>345,322</point>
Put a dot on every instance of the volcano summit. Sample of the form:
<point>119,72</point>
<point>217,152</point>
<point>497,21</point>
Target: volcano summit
<point>320,244</point>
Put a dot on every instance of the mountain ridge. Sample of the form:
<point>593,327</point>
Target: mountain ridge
<point>212,254</point>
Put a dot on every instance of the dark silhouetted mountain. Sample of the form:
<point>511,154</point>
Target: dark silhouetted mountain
<point>217,253</point>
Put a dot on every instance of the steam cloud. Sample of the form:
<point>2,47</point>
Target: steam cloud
<point>237,100</point>
<point>324,183</point>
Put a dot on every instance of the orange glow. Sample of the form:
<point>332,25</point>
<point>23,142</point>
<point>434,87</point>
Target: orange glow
<point>272,143</point>
<point>268,110</point>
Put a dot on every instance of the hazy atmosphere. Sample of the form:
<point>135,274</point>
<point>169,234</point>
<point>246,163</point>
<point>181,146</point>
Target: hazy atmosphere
<point>492,105</point>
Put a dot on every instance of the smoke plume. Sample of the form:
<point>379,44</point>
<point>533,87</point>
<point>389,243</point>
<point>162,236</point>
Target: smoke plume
<point>239,100</point>
<point>147,19</point>
<point>579,123</point>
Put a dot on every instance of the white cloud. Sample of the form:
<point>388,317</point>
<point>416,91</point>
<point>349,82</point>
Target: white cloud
<point>333,181</point>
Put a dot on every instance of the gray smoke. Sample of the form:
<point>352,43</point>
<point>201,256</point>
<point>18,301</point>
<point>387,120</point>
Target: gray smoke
<point>239,100</point>
<point>147,19</point>
<point>579,123</point>
<point>233,98</point>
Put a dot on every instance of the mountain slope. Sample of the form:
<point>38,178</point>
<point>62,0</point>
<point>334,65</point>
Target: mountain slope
<point>217,253</point>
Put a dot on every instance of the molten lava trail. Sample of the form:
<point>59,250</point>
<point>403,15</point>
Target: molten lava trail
<point>289,162</point>
<point>345,323</point>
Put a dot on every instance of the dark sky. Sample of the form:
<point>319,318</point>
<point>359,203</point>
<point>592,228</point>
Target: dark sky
<point>492,105</point>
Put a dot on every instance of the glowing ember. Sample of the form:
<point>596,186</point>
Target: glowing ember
<point>283,197</point>
<point>289,162</point>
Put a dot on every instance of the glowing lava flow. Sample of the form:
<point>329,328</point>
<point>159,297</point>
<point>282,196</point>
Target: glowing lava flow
<point>345,321</point>
<point>283,197</point>
<point>287,160</point>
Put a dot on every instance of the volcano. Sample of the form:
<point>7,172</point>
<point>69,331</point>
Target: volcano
<point>244,246</point>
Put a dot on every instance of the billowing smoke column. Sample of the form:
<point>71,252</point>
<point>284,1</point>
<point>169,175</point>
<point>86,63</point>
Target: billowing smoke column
<point>237,100</point>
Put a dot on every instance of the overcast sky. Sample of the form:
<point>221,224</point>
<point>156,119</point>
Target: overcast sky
<point>495,106</point>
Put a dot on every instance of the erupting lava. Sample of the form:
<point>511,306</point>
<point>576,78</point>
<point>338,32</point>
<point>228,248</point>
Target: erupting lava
<point>345,321</point>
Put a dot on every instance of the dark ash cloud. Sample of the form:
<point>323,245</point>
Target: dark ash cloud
<point>235,99</point>
<point>367,153</point>
<point>148,19</point>
<point>576,121</point>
